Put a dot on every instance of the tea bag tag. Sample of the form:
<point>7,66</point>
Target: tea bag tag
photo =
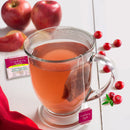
<point>85,115</point>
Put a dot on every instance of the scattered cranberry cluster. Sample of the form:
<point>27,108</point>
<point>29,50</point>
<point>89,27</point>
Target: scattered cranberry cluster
<point>107,46</point>
<point>117,99</point>
<point>111,98</point>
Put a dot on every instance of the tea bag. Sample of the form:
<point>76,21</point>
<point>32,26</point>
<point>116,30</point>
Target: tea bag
<point>78,82</point>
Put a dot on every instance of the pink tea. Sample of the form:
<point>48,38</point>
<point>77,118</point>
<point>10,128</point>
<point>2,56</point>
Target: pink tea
<point>60,85</point>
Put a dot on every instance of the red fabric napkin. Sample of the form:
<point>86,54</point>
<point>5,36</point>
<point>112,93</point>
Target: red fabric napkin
<point>12,120</point>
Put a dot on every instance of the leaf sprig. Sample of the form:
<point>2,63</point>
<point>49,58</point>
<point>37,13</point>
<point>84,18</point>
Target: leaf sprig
<point>107,100</point>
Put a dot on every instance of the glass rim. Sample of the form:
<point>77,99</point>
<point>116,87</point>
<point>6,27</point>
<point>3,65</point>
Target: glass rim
<point>58,61</point>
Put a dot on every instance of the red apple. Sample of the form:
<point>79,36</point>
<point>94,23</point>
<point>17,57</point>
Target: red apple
<point>46,13</point>
<point>11,42</point>
<point>16,31</point>
<point>16,13</point>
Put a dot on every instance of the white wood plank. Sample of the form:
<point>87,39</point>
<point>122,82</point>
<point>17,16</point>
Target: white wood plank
<point>117,25</point>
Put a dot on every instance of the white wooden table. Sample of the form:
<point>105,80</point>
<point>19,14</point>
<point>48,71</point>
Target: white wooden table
<point>113,19</point>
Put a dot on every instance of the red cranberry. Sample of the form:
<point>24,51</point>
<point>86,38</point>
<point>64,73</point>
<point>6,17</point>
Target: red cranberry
<point>119,85</point>
<point>117,99</point>
<point>98,34</point>
<point>102,53</point>
<point>111,95</point>
<point>117,43</point>
<point>106,69</point>
<point>107,46</point>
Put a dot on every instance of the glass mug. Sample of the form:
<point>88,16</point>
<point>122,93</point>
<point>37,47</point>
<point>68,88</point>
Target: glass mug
<point>60,60</point>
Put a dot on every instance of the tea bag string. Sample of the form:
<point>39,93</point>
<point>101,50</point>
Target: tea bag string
<point>83,80</point>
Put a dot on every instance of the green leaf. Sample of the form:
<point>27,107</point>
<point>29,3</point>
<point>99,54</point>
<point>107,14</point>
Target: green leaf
<point>108,97</point>
<point>111,103</point>
<point>105,99</point>
<point>106,102</point>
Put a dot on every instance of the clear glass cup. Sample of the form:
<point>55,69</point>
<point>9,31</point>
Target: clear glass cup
<point>61,61</point>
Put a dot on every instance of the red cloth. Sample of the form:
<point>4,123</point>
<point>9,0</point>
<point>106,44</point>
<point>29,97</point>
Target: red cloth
<point>12,120</point>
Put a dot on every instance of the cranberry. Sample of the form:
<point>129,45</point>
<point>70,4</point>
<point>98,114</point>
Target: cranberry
<point>106,69</point>
<point>117,43</point>
<point>107,46</point>
<point>117,99</point>
<point>102,53</point>
<point>111,95</point>
<point>119,85</point>
<point>98,34</point>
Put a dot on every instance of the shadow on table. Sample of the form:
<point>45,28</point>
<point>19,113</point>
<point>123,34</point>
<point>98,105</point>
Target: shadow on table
<point>4,31</point>
<point>27,33</point>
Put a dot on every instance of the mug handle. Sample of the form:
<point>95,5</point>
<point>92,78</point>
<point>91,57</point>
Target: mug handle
<point>93,94</point>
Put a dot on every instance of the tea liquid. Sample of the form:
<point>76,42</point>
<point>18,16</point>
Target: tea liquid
<point>52,80</point>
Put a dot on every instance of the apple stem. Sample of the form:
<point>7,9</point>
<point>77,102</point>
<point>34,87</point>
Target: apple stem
<point>14,3</point>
